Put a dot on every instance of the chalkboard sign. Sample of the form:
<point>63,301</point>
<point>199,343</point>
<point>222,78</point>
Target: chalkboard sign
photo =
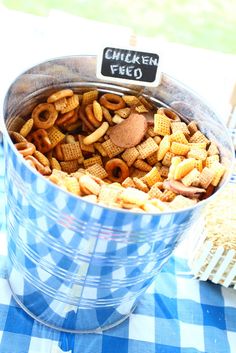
<point>128,66</point>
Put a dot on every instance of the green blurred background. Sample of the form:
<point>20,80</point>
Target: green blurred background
<point>209,24</point>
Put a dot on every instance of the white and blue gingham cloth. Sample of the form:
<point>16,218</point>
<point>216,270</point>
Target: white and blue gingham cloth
<point>178,314</point>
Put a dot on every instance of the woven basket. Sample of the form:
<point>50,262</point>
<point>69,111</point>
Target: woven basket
<point>214,255</point>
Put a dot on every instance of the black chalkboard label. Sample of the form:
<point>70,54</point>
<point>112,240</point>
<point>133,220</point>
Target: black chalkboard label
<point>128,65</point>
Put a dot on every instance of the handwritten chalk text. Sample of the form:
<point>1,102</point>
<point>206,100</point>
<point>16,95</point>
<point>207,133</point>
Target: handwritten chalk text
<point>125,70</point>
<point>131,65</point>
<point>130,58</point>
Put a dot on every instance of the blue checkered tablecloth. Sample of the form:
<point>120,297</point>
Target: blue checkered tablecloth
<point>178,314</point>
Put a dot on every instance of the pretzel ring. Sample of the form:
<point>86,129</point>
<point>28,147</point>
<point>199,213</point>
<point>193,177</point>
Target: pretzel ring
<point>117,170</point>
<point>112,101</point>
<point>44,170</point>
<point>168,113</point>
<point>44,115</point>
<point>25,148</point>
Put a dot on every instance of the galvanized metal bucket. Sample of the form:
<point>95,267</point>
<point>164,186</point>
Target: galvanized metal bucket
<point>74,265</point>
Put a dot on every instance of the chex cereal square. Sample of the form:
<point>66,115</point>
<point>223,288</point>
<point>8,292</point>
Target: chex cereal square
<point>147,148</point>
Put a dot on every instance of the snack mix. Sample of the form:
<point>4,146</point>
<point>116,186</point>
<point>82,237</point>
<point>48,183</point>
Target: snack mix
<point>119,151</point>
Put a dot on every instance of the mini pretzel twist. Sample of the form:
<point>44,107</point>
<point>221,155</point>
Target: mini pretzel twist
<point>41,140</point>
